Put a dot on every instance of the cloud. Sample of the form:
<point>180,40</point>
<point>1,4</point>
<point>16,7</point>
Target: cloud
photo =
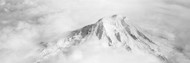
<point>23,30</point>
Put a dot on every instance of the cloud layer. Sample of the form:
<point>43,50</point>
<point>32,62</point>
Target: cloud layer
<point>24,24</point>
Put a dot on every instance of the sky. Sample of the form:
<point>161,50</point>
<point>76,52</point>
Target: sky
<point>24,24</point>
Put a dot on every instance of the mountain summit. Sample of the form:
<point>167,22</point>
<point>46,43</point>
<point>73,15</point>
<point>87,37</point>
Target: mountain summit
<point>118,32</point>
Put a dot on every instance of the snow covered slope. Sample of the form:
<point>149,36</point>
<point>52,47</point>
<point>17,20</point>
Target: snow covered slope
<point>117,32</point>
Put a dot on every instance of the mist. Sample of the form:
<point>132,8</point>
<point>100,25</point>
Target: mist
<point>25,24</point>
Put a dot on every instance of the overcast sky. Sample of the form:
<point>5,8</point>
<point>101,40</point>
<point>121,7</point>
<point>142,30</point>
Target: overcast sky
<point>26,23</point>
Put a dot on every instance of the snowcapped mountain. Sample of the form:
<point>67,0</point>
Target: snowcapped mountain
<point>117,32</point>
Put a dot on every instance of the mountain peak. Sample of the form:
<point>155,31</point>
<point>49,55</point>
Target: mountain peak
<point>117,32</point>
<point>113,20</point>
<point>113,28</point>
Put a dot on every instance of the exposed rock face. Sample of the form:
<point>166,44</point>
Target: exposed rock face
<point>119,33</point>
